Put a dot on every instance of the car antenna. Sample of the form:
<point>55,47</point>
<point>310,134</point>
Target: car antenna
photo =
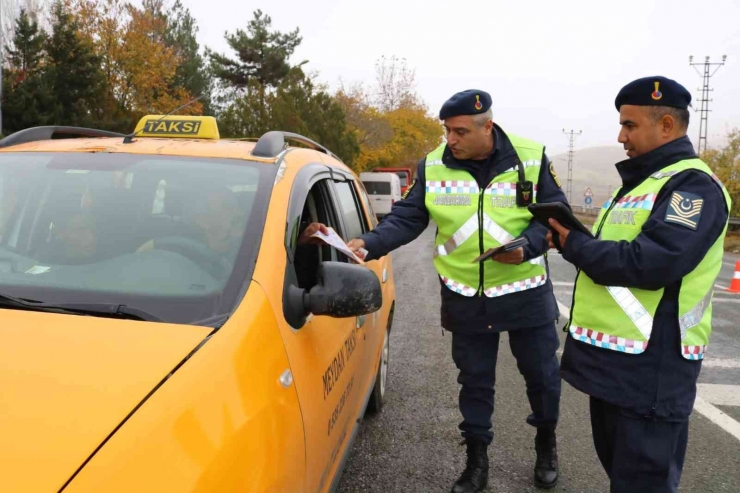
<point>128,139</point>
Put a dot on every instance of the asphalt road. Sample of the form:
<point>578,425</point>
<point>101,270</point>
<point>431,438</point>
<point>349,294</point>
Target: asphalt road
<point>414,444</point>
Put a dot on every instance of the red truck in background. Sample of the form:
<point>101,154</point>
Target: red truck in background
<point>404,174</point>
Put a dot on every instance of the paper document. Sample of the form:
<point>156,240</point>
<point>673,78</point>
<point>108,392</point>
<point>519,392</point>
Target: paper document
<point>334,240</point>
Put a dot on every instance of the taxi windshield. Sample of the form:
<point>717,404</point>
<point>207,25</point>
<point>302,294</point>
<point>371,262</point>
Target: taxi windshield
<point>176,237</point>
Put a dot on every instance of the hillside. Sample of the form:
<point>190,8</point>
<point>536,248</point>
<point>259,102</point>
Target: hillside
<point>592,167</point>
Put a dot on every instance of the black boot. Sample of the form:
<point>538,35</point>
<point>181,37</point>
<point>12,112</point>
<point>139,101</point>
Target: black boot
<point>475,476</point>
<point>546,467</point>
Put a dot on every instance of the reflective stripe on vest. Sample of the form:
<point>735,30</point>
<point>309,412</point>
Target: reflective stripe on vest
<point>629,303</point>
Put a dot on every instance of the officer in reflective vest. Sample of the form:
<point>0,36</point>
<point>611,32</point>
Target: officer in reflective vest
<point>476,188</point>
<point>642,307</point>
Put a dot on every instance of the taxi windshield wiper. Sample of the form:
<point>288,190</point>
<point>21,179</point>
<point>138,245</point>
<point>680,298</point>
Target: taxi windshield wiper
<point>112,310</point>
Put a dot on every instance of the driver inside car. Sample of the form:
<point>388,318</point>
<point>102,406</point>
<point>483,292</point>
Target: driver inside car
<point>215,232</point>
<point>74,240</point>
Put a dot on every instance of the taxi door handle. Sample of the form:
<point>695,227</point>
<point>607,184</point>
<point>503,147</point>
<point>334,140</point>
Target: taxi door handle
<point>385,275</point>
<point>360,321</point>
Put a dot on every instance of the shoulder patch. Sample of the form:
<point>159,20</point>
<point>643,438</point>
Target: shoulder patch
<point>684,209</point>
<point>408,190</point>
<point>555,176</point>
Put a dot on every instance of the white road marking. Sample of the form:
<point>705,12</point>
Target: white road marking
<point>710,362</point>
<point>720,395</point>
<point>723,289</point>
<point>717,417</point>
<point>725,300</point>
<point>564,311</point>
<point>559,283</point>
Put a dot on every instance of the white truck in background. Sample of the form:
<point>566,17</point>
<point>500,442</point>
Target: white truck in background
<point>384,190</point>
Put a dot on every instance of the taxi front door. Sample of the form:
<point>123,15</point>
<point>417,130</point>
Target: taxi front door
<point>328,363</point>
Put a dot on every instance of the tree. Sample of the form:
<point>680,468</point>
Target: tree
<point>389,121</point>
<point>395,84</point>
<point>366,121</point>
<point>725,163</point>
<point>28,44</point>
<point>75,82</point>
<point>297,105</point>
<point>263,54</point>
<point>8,15</point>
<point>192,74</point>
<point>139,65</point>
<point>303,107</point>
<point>26,98</point>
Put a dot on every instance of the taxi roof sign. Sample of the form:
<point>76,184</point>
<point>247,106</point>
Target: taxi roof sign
<point>175,126</point>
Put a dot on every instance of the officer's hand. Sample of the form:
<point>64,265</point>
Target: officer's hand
<point>514,257</point>
<point>306,237</point>
<point>358,248</point>
<point>562,232</point>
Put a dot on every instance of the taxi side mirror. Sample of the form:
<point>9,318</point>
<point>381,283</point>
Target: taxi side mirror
<point>342,291</point>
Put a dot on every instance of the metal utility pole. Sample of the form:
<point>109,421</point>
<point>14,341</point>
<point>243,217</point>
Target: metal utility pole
<point>705,90</point>
<point>569,188</point>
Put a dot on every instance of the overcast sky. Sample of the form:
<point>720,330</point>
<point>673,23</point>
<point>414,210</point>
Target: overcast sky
<point>548,65</point>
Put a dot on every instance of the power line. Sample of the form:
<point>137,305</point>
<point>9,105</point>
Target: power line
<point>572,137</point>
<point>705,90</point>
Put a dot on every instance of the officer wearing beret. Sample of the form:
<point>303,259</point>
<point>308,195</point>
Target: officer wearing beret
<point>476,189</point>
<point>641,315</point>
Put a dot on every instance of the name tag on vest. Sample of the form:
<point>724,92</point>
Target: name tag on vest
<point>622,217</point>
<point>461,200</point>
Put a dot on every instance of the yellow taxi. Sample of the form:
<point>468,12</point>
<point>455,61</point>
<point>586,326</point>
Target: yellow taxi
<point>164,325</point>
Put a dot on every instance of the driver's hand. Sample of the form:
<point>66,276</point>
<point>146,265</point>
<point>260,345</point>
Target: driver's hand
<point>146,247</point>
<point>358,248</point>
<point>311,229</point>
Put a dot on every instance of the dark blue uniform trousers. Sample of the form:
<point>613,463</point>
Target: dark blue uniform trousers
<point>639,454</point>
<point>475,356</point>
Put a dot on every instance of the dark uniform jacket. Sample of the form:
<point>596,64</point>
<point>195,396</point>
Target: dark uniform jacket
<point>409,218</point>
<point>659,382</point>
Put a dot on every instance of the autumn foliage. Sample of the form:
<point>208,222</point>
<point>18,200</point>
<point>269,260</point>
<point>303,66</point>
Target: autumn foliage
<point>107,63</point>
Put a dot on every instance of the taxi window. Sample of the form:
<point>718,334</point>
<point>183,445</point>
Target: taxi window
<point>366,203</point>
<point>173,236</point>
<point>354,224</point>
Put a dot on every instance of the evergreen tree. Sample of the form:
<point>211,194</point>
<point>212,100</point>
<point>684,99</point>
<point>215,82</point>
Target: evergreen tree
<point>297,105</point>
<point>74,77</point>
<point>28,44</point>
<point>25,97</point>
<point>263,55</point>
<point>192,74</point>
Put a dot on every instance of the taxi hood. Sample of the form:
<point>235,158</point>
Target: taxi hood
<point>67,382</point>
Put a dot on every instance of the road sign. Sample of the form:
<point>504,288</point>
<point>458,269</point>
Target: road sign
<point>589,200</point>
<point>588,192</point>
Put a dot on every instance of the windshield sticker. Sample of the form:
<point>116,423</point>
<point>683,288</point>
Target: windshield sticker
<point>37,269</point>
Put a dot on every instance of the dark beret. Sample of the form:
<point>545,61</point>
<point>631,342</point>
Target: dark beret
<point>470,102</point>
<point>654,91</point>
